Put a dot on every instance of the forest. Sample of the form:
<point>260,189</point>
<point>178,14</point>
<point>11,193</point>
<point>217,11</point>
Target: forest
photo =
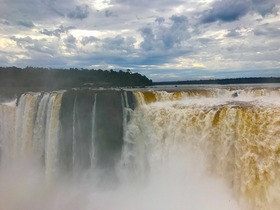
<point>69,78</point>
<point>250,80</point>
<point>14,81</point>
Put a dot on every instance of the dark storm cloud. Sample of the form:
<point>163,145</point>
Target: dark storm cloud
<point>25,23</point>
<point>226,11</point>
<point>57,32</point>
<point>80,12</point>
<point>165,37</point>
<point>89,39</point>
<point>233,10</point>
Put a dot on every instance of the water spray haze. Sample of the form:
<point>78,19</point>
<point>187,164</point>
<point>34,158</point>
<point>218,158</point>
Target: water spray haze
<point>155,150</point>
<point>181,183</point>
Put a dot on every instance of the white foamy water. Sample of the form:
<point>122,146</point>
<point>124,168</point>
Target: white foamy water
<point>204,149</point>
<point>10,103</point>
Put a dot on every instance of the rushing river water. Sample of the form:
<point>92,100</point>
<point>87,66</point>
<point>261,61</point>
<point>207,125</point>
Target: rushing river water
<point>183,148</point>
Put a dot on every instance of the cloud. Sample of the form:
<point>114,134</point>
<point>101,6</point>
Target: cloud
<point>5,22</point>
<point>119,43</point>
<point>57,32</point>
<point>179,19</point>
<point>89,39</point>
<point>70,41</point>
<point>33,10</point>
<point>204,41</point>
<point>22,41</point>
<point>233,10</point>
<point>4,58</point>
<point>165,37</point>
<point>226,11</point>
<point>109,13</point>
<point>148,43</point>
<point>264,7</point>
<point>176,33</point>
<point>142,35</point>
<point>267,30</point>
<point>34,45</point>
<point>159,20</point>
<point>51,5</point>
<point>233,33</point>
<point>80,12</point>
<point>148,4</point>
<point>26,23</point>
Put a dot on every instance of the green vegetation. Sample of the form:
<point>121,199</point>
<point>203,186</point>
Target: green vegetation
<point>15,81</point>
<point>252,80</point>
<point>54,79</point>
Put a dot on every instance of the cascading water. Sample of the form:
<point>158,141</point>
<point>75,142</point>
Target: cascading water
<point>204,148</point>
<point>239,138</point>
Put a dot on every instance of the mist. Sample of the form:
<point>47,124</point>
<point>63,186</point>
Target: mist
<point>182,183</point>
<point>124,150</point>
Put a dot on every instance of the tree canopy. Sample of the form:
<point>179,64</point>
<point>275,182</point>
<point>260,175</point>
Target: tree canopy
<point>69,78</point>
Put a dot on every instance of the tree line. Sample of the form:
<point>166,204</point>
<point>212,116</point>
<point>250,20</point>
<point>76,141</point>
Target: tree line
<point>45,78</point>
<point>250,80</point>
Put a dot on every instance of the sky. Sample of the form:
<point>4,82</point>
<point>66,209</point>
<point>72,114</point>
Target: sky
<point>166,40</point>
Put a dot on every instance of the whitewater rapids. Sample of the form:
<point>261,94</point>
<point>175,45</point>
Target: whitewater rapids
<point>205,149</point>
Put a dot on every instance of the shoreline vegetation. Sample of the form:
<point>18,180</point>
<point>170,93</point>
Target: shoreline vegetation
<point>14,81</point>
<point>231,81</point>
<point>69,78</point>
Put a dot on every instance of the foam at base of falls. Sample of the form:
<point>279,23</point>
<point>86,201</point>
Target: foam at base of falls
<point>181,183</point>
<point>182,150</point>
<point>239,140</point>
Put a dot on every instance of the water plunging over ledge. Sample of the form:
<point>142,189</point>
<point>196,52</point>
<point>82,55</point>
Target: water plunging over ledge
<point>191,148</point>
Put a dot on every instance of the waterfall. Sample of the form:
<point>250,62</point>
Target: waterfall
<point>74,130</point>
<point>238,138</point>
<point>7,131</point>
<point>153,138</point>
<point>92,157</point>
<point>52,134</point>
<point>39,132</point>
<point>26,115</point>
